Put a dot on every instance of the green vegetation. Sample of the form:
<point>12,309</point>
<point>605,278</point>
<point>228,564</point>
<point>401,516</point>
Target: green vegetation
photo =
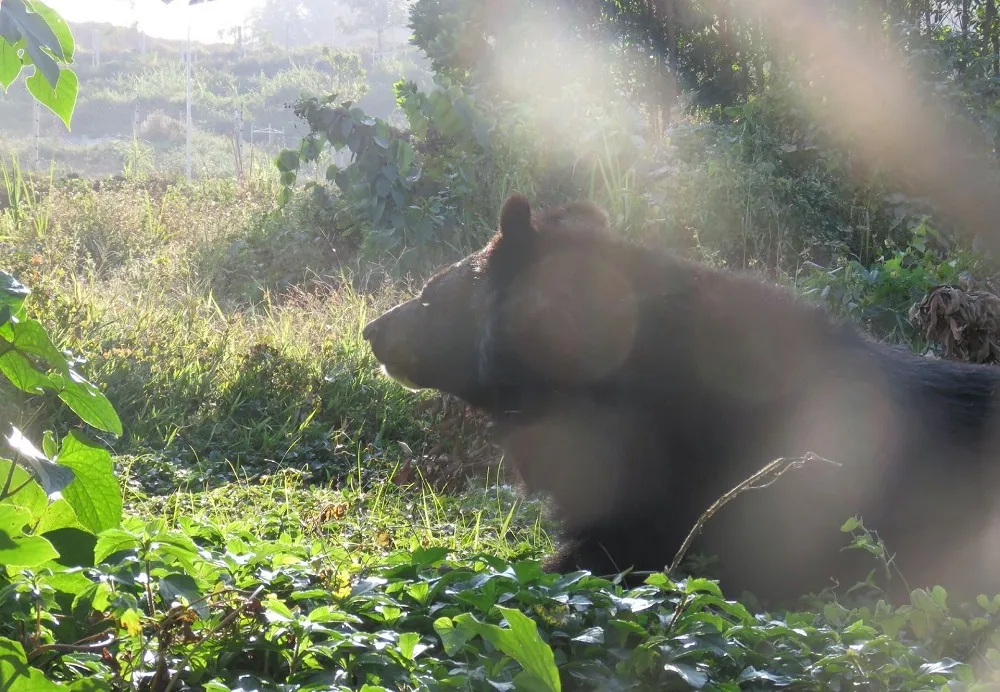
<point>245,503</point>
<point>141,78</point>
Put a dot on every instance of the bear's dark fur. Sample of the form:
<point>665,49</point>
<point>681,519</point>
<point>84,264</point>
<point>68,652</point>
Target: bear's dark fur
<point>635,388</point>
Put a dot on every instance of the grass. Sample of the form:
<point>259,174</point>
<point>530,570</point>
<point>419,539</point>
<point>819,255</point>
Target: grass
<point>296,521</point>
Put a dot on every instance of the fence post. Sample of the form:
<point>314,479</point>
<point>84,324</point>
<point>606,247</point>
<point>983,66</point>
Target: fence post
<point>187,70</point>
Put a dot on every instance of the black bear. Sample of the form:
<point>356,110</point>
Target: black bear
<point>635,388</point>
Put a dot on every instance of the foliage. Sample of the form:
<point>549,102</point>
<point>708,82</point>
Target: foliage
<point>879,297</point>
<point>377,16</point>
<point>33,34</point>
<point>210,597</point>
<point>394,198</point>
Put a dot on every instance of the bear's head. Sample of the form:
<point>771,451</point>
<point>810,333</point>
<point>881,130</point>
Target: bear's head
<point>544,304</point>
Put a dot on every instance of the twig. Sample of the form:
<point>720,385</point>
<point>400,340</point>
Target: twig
<point>223,623</point>
<point>79,646</point>
<point>762,479</point>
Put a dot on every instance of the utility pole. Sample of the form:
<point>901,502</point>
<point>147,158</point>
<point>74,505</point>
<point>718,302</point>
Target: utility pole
<point>37,117</point>
<point>188,78</point>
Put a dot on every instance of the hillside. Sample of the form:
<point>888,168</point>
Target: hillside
<point>257,82</point>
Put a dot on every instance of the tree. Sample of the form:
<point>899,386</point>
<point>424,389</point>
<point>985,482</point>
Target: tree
<point>299,22</point>
<point>378,16</point>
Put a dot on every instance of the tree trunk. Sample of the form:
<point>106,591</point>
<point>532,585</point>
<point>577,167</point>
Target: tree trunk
<point>995,30</point>
<point>670,24</point>
<point>989,23</point>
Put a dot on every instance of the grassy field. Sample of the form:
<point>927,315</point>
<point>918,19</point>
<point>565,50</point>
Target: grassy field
<point>295,521</point>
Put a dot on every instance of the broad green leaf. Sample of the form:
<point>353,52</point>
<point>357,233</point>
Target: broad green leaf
<point>58,515</point>
<point>113,541</point>
<point>61,98</point>
<point>31,338</point>
<point>329,614</point>
<point>16,548</point>
<point>177,585</point>
<point>72,581</point>
<point>94,495</point>
<point>288,160</point>
<point>31,496</point>
<point>59,27</point>
<point>408,644</point>
<point>694,678</point>
<point>521,642</point>
<point>452,638</point>
<point>90,685</point>
<point>49,444</point>
<point>381,137</point>
<point>15,673</point>
<point>10,68</point>
<point>37,34</point>
<point>75,545</point>
<point>405,156</point>
<point>88,402</point>
<point>21,372</point>
<point>53,477</point>
<point>12,292</point>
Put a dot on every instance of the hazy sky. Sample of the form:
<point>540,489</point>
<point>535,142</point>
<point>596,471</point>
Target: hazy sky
<point>158,19</point>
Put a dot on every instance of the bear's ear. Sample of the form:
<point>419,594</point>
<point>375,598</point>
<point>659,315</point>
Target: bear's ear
<point>515,218</point>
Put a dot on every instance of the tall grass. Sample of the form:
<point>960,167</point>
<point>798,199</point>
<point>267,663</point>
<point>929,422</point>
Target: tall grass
<point>214,378</point>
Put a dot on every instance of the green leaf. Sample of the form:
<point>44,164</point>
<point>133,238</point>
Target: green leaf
<point>72,582</point>
<point>53,477</point>
<point>88,402</point>
<point>49,444</point>
<point>328,614</point>
<point>113,541</point>
<point>288,160</point>
<point>31,496</point>
<point>16,548</point>
<point>521,642</point>
<point>21,372</point>
<point>10,66</point>
<point>12,293</point>
<point>694,678</point>
<point>94,495</point>
<point>75,545</point>
<point>15,673</point>
<point>452,638</point>
<point>408,644</point>
<point>61,98</point>
<point>30,337</point>
<point>176,586</point>
<point>89,685</point>
<point>381,137</point>
<point>59,27</point>
<point>21,22</point>
<point>405,156</point>
<point>58,515</point>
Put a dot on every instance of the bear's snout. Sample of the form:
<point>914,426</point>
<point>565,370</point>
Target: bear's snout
<point>373,332</point>
<point>386,334</point>
<point>370,330</point>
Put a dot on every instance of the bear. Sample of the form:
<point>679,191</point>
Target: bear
<point>634,387</point>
